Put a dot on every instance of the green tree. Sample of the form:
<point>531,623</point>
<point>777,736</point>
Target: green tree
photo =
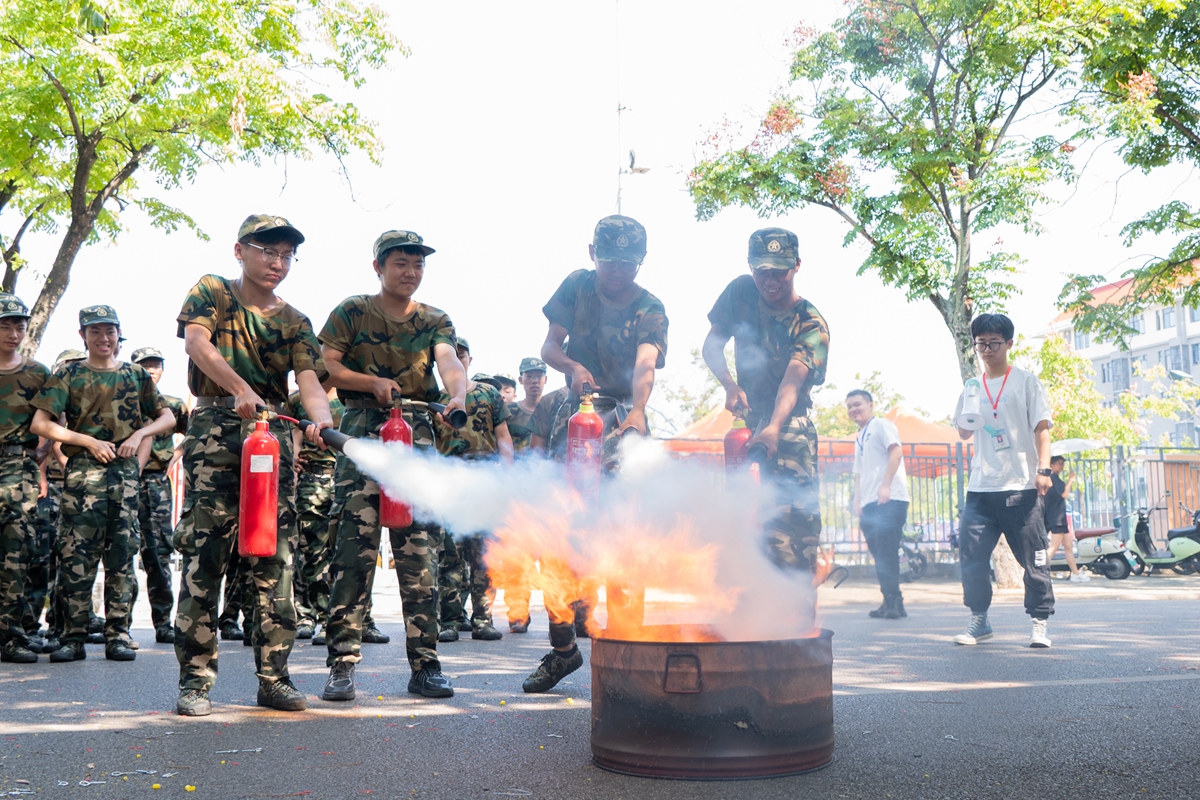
<point>1144,81</point>
<point>920,130</point>
<point>100,91</point>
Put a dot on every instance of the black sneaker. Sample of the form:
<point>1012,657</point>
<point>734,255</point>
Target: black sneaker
<point>464,624</point>
<point>231,632</point>
<point>50,644</point>
<point>430,683</point>
<point>554,667</point>
<point>35,643</point>
<point>164,634</point>
<point>116,650</point>
<point>519,627</point>
<point>193,703</point>
<point>487,632</point>
<point>879,612</point>
<point>14,652</point>
<point>319,636</point>
<point>340,685</point>
<point>448,634</point>
<point>304,631</point>
<point>68,651</point>
<point>372,635</point>
<point>281,696</point>
<point>96,638</point>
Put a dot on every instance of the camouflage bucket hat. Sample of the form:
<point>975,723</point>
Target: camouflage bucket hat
<point>146,353</point>
<point>620,238</point>
<point>490,380</point>
<point>531,365</point>
<point>12,306</point>
<point>506,379</point>
<point>462,342</point>
<point>93,315</point>
<point>391,239</point>
<point>773,248</point>
<point>265,223</point>
<point>70,355</point>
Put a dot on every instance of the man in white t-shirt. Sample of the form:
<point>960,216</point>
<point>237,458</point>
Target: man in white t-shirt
<point>880,496</point>
<point>1010,473</point>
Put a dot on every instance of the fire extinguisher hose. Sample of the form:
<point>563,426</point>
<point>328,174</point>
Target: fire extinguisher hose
<point>335,439</point>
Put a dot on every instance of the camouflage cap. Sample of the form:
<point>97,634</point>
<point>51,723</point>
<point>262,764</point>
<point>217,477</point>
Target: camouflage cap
<point>531,364</point>
<point>506,379</point>
<point>390,239</point>
<point>145,353</point>
<point>490,380</point>
<point>93,315</point>
<point>462,342</point>
<point>264,223</point>
<point>67,356</point>
<point>620,238</point>
<point>774,248</point>
<point>12,306</point>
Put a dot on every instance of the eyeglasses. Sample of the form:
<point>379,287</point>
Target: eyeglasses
<point>271,255</point>
<point>985,347</point>
<point>623,266</point>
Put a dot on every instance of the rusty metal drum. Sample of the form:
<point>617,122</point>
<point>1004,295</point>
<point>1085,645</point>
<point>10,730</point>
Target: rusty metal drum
<point>713,710</point>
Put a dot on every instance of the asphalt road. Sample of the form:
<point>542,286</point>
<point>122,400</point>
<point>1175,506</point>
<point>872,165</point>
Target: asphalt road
<point>1110,711</point>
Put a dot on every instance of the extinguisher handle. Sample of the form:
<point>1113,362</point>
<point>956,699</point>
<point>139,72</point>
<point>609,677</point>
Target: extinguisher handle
<point>335,439</point>
<point>457,419</point>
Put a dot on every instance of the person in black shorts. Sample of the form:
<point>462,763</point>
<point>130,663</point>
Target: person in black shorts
<point>1056,517</point>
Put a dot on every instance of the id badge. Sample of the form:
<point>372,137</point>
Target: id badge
<point>1000,437</point>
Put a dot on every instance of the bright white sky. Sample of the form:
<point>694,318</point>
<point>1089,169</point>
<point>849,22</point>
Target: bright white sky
<point>502,151</point>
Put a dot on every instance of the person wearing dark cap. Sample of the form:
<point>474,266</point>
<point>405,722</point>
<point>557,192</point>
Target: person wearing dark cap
<point>21,378</point>
<point>615,335</point>
<point>154,505</point>
<point>377,346</point>
<point>111,407</point>
<point>782,346</point>
<point>242,342</point>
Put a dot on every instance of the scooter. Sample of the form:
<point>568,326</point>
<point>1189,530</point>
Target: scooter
<point>1099,550</point>
<point>913,564</point>
<point>1183,544</point>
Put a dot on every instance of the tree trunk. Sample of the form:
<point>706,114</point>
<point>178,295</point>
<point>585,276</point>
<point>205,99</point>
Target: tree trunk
<point>57,281</point>
<point>1009,574</point>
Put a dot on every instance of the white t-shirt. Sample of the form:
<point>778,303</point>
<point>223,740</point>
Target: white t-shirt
<point>871,458</point>
<point>1006,456</point>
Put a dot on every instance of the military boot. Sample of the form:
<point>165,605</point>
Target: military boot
<point>281,695</point>
<point>554,667</point>
<point>14,652</point>
<point>69,651</point>
<point>193,703</point>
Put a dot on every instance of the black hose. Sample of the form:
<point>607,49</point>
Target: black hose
<point>332,437</point>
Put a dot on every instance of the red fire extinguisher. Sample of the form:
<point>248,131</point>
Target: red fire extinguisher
<point>736,441</point>
<point>585,431</point>
<point>392,512</point>
<point>258,507</point>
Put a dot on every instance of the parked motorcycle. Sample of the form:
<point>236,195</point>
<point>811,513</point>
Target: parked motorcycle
<point>1183,544</point>
<point>913,564</point>
<point>1099,550</point>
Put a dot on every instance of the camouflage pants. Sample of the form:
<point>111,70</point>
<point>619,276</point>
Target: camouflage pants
<point>237,597</point>
<point>18,510</point>
<point>206,538</point>
<point>470,579</point>
<point>451,576</point>
<point>314,499</point>
<point>355,515</point>
<point>99,522</point>
<point>43,560</point>
<point>793,530</point>
<point>154,520</point>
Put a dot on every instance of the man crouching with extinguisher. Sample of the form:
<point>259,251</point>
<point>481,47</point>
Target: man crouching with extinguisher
<point>242,341</point>
<point>381,349</point>
<point>782,344</point>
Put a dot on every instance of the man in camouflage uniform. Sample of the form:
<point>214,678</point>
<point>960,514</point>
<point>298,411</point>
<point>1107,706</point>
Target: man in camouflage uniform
<point>111,407</point>
<point>154,505</point>
<point>617,339</point>
<point>542,420</point>
<point>484,437</point>
<point>242,342</point>
<point>21,378</point>
<point>782,344</point>
<point>376,346</point>
<point>507,387</point>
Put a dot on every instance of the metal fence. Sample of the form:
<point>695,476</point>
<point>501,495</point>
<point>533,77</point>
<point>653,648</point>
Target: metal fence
<point>1109,489</point>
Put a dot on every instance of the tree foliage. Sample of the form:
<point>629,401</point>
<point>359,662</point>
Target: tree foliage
<point>912,120</point>
<point>97,92</point>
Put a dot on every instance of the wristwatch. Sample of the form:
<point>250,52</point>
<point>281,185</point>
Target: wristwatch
<point>1046,472</point>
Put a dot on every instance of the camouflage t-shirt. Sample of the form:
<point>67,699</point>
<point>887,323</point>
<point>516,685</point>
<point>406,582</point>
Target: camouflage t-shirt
<point>766,341</point>
<point>262,350</point>
<point>542,421</point>
<point>18,387</point>
<point>605,338</point>
<point>164,445</point>
<point>380,345</point>
<point>108,404</point>
<point>476,439</point>
<point>312,454</point>
<point>520,426</point>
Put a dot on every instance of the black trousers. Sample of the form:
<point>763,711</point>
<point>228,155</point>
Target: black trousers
<point>1019,516</point>
<point>881,526</point>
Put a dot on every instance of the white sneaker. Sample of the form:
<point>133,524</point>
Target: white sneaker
<point>1038,638</point>
<point>1080,577</point>
<point>976,632</point>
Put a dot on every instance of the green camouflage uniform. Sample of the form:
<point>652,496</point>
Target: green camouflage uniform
<point>376,344</point>
<point>262,350</point>
<point>39,581</point>
<point>155,522</point>
<point>542,420</point>
<point>18,493</point>
<point>520,427</point>
<point>465,573</point>
<point>765,343</point>
<point>313,551</point>
<point>100,501</point>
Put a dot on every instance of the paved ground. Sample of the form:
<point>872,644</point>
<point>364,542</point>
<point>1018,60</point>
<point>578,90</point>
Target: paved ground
<point>1110,711</point>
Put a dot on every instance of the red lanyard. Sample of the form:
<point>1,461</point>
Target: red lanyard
<point>996,403</point>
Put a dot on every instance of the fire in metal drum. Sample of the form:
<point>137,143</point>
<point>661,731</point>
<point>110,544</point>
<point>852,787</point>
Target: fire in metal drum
<point>713,710</point>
